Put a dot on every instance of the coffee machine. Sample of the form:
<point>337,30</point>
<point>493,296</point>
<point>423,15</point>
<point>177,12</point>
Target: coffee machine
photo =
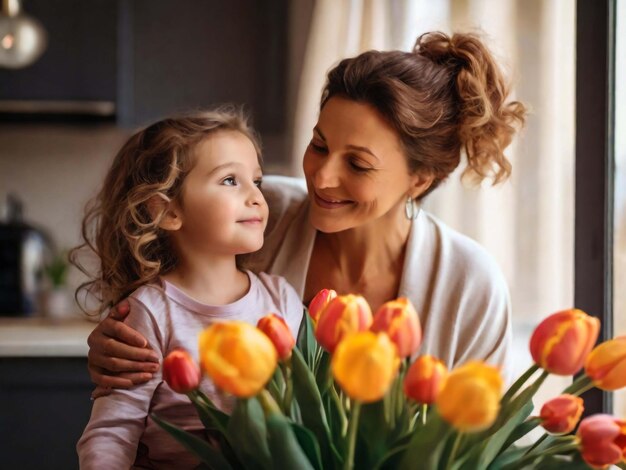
<point>24,251</point>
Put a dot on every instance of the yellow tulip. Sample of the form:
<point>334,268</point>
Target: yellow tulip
<point>470,397</point>
<point>238,357</point>
<point>606,364</point>
<point>365,364</point>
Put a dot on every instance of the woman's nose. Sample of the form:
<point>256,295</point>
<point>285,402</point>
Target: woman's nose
<point>327,174</point>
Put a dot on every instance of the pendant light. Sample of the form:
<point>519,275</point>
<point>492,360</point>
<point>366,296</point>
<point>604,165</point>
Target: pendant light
<point>22,38</point>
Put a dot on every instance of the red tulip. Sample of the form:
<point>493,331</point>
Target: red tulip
<point>276,329</point>
<point>560,343</point>
<point>319,303</point>
<point>602,440</point>
<point>399,320</point>
<point>344,314</point>
<point>181,372</point>
<point>424,379</point>
<point>561,414</point>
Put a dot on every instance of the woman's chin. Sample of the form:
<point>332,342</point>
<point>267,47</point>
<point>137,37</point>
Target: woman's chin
<point>327,224</point>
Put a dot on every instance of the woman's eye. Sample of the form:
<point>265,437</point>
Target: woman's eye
<point>317,148</point>
<point>229,181</point>
<point>358,168</point>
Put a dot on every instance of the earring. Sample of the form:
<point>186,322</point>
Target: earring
<point>409,208</point>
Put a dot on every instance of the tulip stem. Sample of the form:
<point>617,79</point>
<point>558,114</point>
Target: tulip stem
<point>342,414</point>
<point>285,367</point>
<point>424,413</point>
<point>352,428</point>
<point>508,396</point>
<point>579,386</point>
<point>455,449</point>
<point>536,444</point>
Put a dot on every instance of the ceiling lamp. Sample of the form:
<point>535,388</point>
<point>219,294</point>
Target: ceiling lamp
<point>22,38</point>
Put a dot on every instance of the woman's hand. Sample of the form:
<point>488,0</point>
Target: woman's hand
<point>119,357</point>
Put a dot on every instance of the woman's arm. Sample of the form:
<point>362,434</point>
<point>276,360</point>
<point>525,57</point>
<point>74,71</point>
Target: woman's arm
<point>119,356</point>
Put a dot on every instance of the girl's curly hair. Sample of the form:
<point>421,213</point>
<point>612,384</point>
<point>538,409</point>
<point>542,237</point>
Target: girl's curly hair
<point>118,228</point>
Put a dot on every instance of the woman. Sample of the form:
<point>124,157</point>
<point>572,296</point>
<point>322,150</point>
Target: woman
<point>392,127</point>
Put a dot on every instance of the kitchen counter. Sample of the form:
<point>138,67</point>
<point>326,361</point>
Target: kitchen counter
<point>44,337</point>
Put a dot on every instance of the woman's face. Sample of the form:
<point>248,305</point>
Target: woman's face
<point>355,168</point>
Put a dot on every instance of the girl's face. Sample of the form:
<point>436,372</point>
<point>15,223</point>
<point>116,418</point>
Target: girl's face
<point>355,168</point>
<point>222,210</point>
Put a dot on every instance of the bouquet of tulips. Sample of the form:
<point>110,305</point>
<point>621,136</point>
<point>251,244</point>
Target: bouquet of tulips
<point>347,395</point>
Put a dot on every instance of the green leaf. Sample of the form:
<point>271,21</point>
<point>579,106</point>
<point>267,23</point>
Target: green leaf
<point>312,411</point>
<point>521,430</point>
<point>247,434</point>
<point>496,441</point>
<point>211,417</point>
<point>309,445</point>
<point>323,377</point>
<point>284,446</point>
<point>426,444</point>
<point>306,342</point>
<point>508,456</point>
<point>374,434</point>
<point>205,452</point>
<point>392,459</point>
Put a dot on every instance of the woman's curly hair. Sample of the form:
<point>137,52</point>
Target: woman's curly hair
<point>446,96</point>
<point>118,227</point>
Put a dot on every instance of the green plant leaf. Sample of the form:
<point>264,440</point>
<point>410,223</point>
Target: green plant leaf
<point>480,456</point>
<point>521,430</point>
<point>312,411</point>
<point>374,434</point>
<point>247,434</point>
<point>306,342</point>
<point>205,452</point>
<point>510,455</point>
<point>323,377</point>
<point>424,449</point>
<point>211,417</point>
<point>309,445</point>
<point>392,459</point>
<point>284,446</point>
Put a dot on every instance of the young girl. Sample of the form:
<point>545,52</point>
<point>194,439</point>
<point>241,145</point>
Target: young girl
<point>181,199</point>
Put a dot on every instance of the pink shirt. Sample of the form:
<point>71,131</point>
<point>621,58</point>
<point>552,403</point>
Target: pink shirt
<point>120,433</point>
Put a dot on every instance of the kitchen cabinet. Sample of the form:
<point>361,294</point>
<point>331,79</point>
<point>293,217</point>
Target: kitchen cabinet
<point>44,407</point>
<point>151,58</point>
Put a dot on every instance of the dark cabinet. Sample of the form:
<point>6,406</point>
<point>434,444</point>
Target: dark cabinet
<point>44,407</point>
<point>151,58</point>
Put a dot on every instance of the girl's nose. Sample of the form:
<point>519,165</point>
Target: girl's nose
<point>255,197</point>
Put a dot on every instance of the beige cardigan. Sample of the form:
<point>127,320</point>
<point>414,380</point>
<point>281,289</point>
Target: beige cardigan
<point>455,285</point>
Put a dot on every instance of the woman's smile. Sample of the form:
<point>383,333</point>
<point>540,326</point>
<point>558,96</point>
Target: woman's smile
<point>329,202</point>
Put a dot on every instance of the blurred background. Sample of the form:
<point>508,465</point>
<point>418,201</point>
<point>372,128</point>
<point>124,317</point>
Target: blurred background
<point>96,70</point>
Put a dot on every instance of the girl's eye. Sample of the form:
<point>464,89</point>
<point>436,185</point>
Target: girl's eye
<point>317,148</point>
<point>229,181</point>
<point>258,182</point>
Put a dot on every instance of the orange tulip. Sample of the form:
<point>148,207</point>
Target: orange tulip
<point>606,364</point>
<point>424,379</point>
<point>238,357</point>
<point>276,329</point>
<point>560,343</point>
<point>399,320</point>
<point>319,303</point>
<point>602,440</point>
<point>470,397</point>
<point>561,414</point>
<point>344,314</point>
<point>365,364</point>
<point>181,372</point>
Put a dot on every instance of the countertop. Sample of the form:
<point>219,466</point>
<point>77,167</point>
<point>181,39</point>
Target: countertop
<point>44,337</point>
